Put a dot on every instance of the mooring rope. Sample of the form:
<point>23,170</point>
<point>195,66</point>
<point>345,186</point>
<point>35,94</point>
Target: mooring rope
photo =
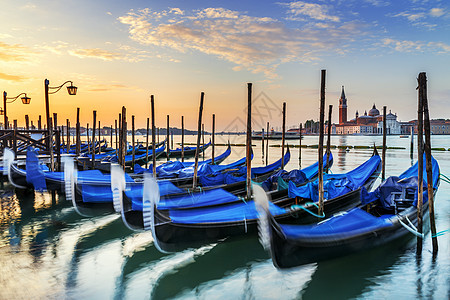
<point>440,233</point>
<point>296,206</point>
<point>410,228</point>
<point>444,178</point>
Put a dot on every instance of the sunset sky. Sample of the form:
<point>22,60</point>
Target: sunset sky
<point>120,52</point>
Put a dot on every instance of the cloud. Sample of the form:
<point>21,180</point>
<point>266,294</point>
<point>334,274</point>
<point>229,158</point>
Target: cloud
<point>106,87</point>
<point>8,77</point>
<point>257,44</point>
<point>312,10</point>
<point>437,12</point>
<point>410,16</point>
<point>14,52</point>
<point>417,46</point>
<point>97,53</point>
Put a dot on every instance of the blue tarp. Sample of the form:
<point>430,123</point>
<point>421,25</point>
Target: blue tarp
<point>173,169</point>
<point>232,176</point>
<point>34,172</point>
<point>135,192</point>
<point>337,184</point>
<point>406,183</point>
<point>225,213</point>
<point>282,177</point>
<point>355,221</point>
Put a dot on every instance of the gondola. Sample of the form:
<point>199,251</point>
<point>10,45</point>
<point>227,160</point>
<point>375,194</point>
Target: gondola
<point>188,151</point>
<point>93,194</point>
<point>386,215</point>
<point>179,228</point>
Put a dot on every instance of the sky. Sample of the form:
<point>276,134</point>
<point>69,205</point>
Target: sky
<point>118,53</point>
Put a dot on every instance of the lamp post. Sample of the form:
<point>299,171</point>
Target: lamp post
<point>72,90</point>
<point>25,100</point>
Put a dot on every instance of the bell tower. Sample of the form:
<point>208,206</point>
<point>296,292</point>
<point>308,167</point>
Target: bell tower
<point>342,108</point>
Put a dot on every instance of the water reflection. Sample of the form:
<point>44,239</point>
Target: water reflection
<point>348,277</point>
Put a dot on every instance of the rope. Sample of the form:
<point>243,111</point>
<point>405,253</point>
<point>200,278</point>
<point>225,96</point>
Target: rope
<point>296,206</point>
<point>444,178</point>
<point>410,228</point>
<point>440,233</point>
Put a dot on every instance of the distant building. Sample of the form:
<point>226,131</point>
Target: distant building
<point>367,124</point>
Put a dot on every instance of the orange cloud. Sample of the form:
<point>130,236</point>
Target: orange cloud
<point>8,77</point>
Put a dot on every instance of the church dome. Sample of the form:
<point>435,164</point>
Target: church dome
<point>374,111</point>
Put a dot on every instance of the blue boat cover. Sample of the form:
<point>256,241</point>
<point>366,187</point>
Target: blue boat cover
<point>135,192</point>
<point>406,184</point>
<point>355,221</point>
<point>216,196</point>
<point>34,172</point>
<point>238,175</point>
<point>282,177</point>
<point>172,169</point>
<point>96,186</point>
<point>241,211</point>
<point>337,184</point>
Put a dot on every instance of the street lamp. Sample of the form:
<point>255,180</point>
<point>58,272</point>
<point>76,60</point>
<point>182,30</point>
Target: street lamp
<point>71,89</point>
<point>25,100</point>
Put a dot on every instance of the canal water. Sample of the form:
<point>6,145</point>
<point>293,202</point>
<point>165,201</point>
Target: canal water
<point>48,251</point>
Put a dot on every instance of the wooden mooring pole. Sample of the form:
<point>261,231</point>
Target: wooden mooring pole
<point>203,141</point>
<point>27,122</point>
<point>300,146</point>
<point>420,167</point>
<point>283,135</point>
<point>99,138</point>
<point>40,122</point>
<point>429,167</point>
<point>321,133</point>
<point>249,141</point>
<point>133,151</point>
<point>119,147</point>
<point>68,136</point>
<point>87,138</point>
<point>124,137</point>
<point>57,142</point>
<point>182,138</point>
<point>267,144</point>
<point>199,128</point>
<point>330,110</point>
<point>146,143</point>
<point>50,143</point>
<point>167,139</point>
<point>213,139</point>
<point>93,139</point>
<point>383,153</point>
<point>152,106</point>
<point>78,133</point>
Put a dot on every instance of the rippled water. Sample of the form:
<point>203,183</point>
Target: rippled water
<point>48,251</point>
